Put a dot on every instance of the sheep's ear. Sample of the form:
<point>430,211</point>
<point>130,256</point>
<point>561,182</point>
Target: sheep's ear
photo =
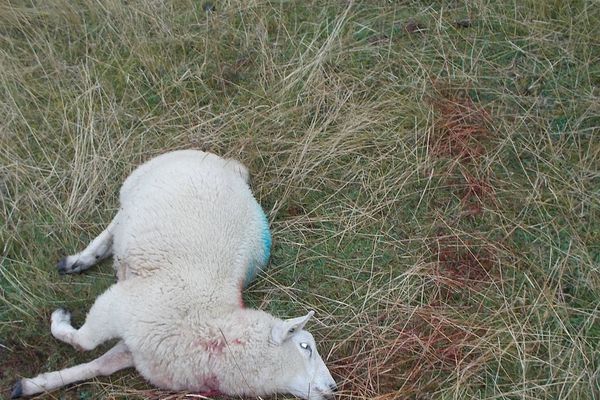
<point>283,330</point>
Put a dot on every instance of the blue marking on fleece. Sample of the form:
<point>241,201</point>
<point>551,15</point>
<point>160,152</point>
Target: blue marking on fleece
<point>256,265</point>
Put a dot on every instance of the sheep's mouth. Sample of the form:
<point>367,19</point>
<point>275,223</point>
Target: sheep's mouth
<point>322,394</point>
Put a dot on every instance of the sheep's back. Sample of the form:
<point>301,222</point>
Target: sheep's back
<point>192,214</point>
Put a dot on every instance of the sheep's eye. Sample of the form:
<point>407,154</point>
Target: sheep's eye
<point>306,347</point>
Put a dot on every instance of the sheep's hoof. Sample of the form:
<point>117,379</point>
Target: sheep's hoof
<point>64,268</point>
<point>61,265</point>
<point>17,390</point>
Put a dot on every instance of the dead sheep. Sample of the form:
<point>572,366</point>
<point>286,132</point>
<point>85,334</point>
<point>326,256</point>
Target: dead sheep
<point>188,236</point>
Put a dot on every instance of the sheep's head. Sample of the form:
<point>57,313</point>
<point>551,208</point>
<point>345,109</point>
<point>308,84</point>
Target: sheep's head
<point>306,375</point>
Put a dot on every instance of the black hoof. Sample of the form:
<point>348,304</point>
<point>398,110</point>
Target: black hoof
<point>17,390</point>
<point>64,268</point>
<point>61,265</point>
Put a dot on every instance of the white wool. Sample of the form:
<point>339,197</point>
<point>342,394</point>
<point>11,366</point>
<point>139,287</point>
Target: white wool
<point>186,238</point>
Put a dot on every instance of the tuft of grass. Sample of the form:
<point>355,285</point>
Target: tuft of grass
<point>430,172</point>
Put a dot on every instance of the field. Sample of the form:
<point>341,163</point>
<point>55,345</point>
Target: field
<point>430,171</point>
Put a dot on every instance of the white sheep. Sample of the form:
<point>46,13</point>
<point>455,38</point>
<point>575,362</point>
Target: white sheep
<point>188,236</point>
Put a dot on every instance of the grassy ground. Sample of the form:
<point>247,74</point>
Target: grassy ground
<point>430,171</point>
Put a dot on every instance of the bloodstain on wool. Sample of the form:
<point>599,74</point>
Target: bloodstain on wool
<point>214,346</point>
<point>211,386</point>
<point>211,382</point>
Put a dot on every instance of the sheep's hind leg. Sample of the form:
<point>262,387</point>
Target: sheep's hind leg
<point>99,249</point>
<point>101,323</point>
<point>112,361</point>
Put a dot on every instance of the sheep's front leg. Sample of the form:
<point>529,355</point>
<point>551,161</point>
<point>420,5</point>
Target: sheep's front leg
<point>114,360</point>
<point>99,249</point>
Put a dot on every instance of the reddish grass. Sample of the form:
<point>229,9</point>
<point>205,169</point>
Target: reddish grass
<point>462,132</point>
<point>460,125</point>
<point>407,351</point>
<point>458,264</point>
<point>406,354</point>
<point>476,194</point>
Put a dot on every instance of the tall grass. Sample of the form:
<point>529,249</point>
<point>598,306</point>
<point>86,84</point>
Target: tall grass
<point>430,172</point>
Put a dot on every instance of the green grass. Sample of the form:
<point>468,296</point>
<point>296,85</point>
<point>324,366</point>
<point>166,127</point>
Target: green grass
<point>434,275</point>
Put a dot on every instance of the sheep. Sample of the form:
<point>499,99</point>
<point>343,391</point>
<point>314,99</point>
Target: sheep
<point>187,238</point>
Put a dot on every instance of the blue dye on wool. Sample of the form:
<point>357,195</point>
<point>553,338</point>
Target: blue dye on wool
<point>266,241</point>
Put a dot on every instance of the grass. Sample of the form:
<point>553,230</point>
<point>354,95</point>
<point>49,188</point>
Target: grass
<point>430,171</point>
